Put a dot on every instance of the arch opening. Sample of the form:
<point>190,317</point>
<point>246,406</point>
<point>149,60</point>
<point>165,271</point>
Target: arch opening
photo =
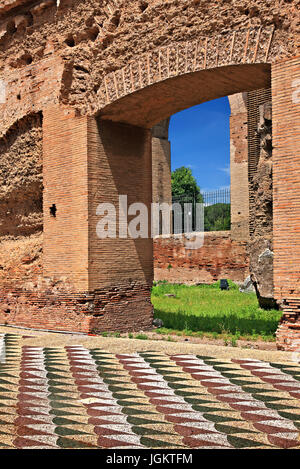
<point>154,103</point>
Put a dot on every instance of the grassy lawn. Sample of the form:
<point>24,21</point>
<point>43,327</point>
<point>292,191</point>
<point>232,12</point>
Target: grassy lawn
<point>207,310</point>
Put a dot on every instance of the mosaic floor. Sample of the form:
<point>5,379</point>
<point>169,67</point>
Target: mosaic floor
<point>73,397</point>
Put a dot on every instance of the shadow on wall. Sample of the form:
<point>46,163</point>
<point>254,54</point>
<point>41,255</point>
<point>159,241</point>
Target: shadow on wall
<point>123,167</point>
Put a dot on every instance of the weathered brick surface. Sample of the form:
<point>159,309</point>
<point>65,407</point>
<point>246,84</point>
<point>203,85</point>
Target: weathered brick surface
<point>119,163</point>
<point>286,190</point>
<point>86,155</point>
<point>134,63</point>
<point>219,257</point>
<point>29,89</point>
<point>82,282</point>
<point>261,206</point>
<point>161,163</point>
<point>97,43</point>
<point>65,241</point>
<point>110,309</point>
<point>29,299</point>
<point>21,178</point>
<point>239,167</point>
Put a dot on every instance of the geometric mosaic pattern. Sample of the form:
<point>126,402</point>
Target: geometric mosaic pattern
<point>73,397</point>
<point>222,383</point>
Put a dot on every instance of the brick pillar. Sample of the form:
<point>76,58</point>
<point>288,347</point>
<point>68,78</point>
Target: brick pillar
<point>161,163</point>
<point>239,168</point>
<point>286,194</point>
<point>120,270</point>
<point>65,203</point>
<point>88,162</point>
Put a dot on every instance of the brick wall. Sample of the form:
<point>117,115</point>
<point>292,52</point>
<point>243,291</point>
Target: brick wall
<point>286,190</point>
<point>21,179</point>
<point>239,168</point>
<point>65,248</point>
<point>219,257</point>
<point>161,163</point>
<point>29,89</point>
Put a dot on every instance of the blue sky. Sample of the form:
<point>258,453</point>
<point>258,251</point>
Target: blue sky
<point>200,139</point>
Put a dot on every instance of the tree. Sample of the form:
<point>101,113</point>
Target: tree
<point>217,217</point>
<point>185,185</point>
<point>186,190</point>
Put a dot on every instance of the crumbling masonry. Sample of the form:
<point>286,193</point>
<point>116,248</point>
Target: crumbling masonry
<point>82,83</point>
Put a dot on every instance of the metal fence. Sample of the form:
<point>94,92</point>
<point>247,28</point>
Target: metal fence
<point>221,196</point>
<point>216,212</point>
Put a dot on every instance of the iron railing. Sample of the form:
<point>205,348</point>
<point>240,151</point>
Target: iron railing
<point>216,211</point>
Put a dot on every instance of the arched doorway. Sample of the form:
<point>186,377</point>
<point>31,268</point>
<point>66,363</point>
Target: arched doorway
<point>118,162</point>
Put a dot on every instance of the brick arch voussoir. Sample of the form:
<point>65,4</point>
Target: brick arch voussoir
<point>247,46</point>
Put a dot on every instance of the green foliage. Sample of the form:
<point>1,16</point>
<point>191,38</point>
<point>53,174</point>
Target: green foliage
<point>217,217</point>
<point>233,341</point>
<point>206,308</point>
<point>141,336</point>
<point>186,190</point>
<point>185,185</point>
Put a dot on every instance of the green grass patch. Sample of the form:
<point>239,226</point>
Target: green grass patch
<point>141,336</point>
<point>207,309</point>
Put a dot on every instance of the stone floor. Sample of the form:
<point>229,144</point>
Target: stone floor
<point>68,391</point>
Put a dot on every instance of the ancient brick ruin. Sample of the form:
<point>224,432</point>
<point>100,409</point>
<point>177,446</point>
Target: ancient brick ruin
<point>219,257</point>
<point>82,83</point>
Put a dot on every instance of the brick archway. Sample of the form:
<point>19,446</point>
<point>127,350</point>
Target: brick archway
<point>167,80</point>
<point>116,160</point>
